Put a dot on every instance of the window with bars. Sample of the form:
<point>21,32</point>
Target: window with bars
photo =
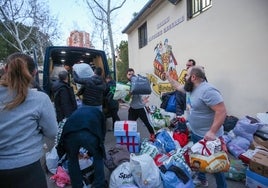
<point>196,7</point>
<point>143,35</point>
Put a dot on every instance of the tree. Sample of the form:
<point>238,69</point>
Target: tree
<point>42,37</point>
<point>27,24</point>
<point>104,15</point>
<point>13,16</point>
<point>99,30</point>
<point>122,61</point>
<point>5,48</point>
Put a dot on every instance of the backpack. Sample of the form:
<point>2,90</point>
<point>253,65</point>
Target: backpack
<point>171,104</point>
<point>174,102</point>
<point>165,98</point>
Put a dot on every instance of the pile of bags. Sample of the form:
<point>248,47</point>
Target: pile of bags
<point>59,167</point>
<point>171,159</point>
<point>240,137</point>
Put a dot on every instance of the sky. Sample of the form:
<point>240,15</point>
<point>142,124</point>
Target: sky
<point>74,15</point>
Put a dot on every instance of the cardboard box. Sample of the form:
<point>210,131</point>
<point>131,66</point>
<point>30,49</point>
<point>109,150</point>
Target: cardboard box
<point>248,155</point>
<point>261,142</point>
<point>132,142</point>
<point>125,128</point>
<point>259,163</point>
<point>254,180</point>
<point>255,145</point>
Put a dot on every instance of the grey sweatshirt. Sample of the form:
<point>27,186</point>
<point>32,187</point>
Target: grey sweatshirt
<point>22,129</point>
<point>136,102</point>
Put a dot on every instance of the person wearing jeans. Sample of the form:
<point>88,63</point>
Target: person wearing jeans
<point>219,177</point>
<point>85,128</point>
<point>89,141</point>
<point>206,113</point>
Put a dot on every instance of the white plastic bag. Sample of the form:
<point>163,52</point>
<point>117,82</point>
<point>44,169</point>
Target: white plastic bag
<point>122,92</point>
<point>85,163</point>
<point>145,172</point>
<point>52,159</point>
<point>206,148</point>
<point>263,118</point>
<point>121,176</point>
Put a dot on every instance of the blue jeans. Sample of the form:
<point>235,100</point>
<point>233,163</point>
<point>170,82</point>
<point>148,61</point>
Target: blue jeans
<point>72,144</point>
<point>98,107</point>
<point>220,177</point>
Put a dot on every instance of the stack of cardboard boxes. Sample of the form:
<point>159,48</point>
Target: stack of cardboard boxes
<point>257,173</point>
<point>126,134</point>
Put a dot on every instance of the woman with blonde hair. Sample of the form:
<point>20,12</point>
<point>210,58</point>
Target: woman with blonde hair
<point>27,116</point>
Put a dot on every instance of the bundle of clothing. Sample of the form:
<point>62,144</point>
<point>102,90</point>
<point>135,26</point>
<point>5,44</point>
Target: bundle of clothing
<point>240,137</point>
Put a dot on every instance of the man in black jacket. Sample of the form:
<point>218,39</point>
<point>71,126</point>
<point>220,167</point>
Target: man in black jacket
<point>93,88</point>
<point>112,105</point>
<point>64,98</point>
<point>84,128</point>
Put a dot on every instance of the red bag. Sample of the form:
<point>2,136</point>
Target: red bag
<point>181,137</point>
<point>61,177</point>
<point>181,131</point>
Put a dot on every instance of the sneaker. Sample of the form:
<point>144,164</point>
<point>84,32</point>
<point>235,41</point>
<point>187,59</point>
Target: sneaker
<point>199,183</point>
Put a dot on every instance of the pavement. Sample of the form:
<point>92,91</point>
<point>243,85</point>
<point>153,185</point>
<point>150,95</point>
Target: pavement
<point>110,142</point>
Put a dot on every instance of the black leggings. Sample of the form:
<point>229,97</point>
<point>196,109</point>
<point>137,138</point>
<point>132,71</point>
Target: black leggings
<point>134,114</point>
<point>114,114</point>
<point>24,177</point>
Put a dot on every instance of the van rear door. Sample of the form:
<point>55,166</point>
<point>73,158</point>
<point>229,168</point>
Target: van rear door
<point>57,56</point>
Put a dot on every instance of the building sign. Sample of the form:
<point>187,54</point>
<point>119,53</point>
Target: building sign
<point>164,26</point>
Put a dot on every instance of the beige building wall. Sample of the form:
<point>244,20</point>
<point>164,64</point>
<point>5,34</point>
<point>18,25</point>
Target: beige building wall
<point>230,40</point>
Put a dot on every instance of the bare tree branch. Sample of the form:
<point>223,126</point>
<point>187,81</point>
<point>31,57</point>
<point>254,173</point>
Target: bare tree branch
<point>28,24</point>
<point>100,6</point>
<point>118,7</point>
<point>104,14</point>
<point>96,16</point>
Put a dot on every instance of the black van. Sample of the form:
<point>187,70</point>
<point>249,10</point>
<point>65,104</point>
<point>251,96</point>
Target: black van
<point>58,56</point>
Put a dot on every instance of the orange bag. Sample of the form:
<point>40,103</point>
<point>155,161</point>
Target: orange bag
<point>218,162</point>
<point>213,163</point>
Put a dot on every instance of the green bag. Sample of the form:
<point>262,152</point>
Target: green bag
<point>237,170</point>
